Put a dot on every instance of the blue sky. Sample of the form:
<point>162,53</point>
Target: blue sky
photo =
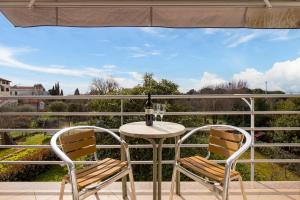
<point>193,58</point>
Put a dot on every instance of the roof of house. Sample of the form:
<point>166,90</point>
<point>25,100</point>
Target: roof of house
<point>22,87</point>
<point>2,79</point>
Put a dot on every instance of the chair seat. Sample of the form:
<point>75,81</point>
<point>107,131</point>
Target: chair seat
<point>207,168</point>
<point>98,172</point>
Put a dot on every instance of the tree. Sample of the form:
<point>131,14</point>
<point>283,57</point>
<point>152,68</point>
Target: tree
<point>162,87</point>
<point>55,91</point>
<point>58,106</point>
<point>61,93</point>
<point>100,86</point>
<point>77,92</point>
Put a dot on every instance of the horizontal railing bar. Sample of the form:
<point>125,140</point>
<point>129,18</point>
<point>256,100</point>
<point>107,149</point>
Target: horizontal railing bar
<point>142,113</point>
<point>277,145</point>
<point>33,130</point>
<point>148,146</point>
<point>107,97</point>
<point>188,129</point>
<point>105,3</point>
<point>145,162</point>
<point>136,146</point>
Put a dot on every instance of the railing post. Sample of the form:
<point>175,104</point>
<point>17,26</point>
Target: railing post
<point>252,155</point>
<point>122,112</point>
<point>124,179</point>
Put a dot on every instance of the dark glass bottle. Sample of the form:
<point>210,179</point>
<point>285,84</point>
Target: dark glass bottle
<point>149,112</point>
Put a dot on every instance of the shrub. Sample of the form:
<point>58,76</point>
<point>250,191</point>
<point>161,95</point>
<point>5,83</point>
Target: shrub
<point>58,106</point>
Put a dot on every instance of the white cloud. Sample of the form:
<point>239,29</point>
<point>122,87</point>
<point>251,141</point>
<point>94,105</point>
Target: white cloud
<point>254,78</point>
<point>8,59</point>
<point>148,45</point>
<point>126,82</point>
<point>280,35</point>
<point>138,52</point>
<point>284,76</point>
<point>281,76</point>
<point>209,79</point>
<point>152,31</point>
<point>109,66</point>
<point>243,39</point>
<point>210,31</point>
<point>142,54</point>
<point>137,76</point>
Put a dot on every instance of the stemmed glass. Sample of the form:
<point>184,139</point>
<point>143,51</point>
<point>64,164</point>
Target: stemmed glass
<point>162,111</point>
<point>156,110</point>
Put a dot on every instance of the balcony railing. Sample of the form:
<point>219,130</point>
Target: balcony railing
<point>249,100</point>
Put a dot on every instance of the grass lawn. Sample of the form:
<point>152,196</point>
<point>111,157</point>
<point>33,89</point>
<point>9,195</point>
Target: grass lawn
<point>266,171</point>
<point>55,173</point>
<point>16,154</point>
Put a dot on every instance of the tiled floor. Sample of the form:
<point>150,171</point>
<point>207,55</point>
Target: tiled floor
<point>190,191</point>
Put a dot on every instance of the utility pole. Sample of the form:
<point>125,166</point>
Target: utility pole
<point>266,91</point>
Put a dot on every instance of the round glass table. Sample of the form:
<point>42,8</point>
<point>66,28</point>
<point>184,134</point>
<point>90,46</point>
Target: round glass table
<point>156,135</point>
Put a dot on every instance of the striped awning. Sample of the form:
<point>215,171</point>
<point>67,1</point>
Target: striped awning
<point>156,13</point>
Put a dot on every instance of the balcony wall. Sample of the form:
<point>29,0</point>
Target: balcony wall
<point>123,115</point>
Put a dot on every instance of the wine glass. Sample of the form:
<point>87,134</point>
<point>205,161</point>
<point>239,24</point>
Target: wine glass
<point>162,111</point>
<point>156,107</point>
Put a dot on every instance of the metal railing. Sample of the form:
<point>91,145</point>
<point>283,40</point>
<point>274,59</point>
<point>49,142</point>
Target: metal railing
<point>249,99</point>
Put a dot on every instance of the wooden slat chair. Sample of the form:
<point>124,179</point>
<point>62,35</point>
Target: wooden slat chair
<point>76,142</point>
<point>214,176</point>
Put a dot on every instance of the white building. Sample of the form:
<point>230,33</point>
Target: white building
<point>4,87</point>
<point>37,89</point>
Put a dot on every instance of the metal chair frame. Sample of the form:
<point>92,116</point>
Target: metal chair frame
<point>229,165</point>
<point>90,190</point>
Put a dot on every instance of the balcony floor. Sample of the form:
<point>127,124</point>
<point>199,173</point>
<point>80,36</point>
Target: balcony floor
<point>190,191</point>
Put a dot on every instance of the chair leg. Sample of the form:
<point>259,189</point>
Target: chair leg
<point>173,183</point>
<point>178,183</point>
<point>97,196</point>
<point>62,189</point>
<point>131,179</point>
<point>242,188</point>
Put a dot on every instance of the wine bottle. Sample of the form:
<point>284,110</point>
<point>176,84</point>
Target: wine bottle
<point>149,112</point>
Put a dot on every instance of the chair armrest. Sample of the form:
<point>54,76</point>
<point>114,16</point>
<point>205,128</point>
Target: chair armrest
<point>58,151</point>
<point>236,155</point>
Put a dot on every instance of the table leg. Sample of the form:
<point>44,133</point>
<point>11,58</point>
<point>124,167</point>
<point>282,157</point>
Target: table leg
<point>152,141</point>
<point>124,179</point>
<point>159,179</point>
<point>178,173</point>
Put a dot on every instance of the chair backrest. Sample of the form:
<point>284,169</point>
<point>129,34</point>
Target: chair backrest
<point>78,143</point>
<point>224,143</point>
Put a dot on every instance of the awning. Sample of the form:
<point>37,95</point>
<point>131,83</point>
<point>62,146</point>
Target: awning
<point>156,13</point>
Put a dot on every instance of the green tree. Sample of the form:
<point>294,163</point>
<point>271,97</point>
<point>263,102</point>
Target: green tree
<point>162,87</point>
<point>55,91</point>
<point>58,106</point>
<point>76,92</point>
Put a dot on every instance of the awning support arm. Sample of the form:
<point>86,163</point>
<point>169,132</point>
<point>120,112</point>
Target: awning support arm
<point>268,3</point>
<point>31,3</point>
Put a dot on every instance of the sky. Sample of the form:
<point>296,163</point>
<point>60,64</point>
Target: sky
<point>192,58</point>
